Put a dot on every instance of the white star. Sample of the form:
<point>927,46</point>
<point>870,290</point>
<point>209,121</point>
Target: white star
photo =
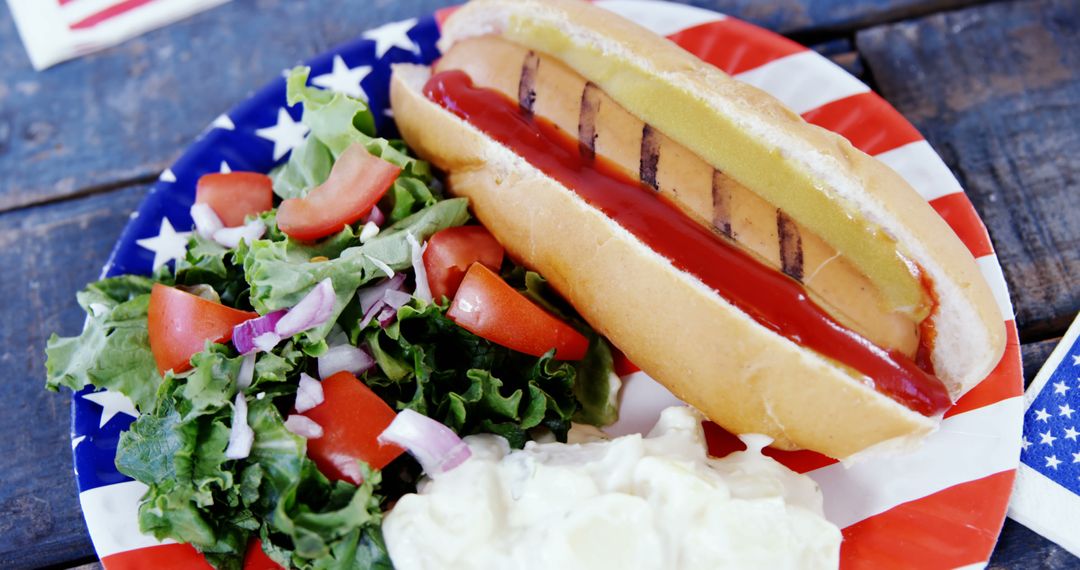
<point>224,168</point>
<point>1065,411</point>
<point>1076,457</point>
<point>111,403</point>
<point>1071,433</point>
<point>1060,388</point>
<point>1052,462</point>
<point>1076,359</point>
<point>75,441</point>
<point>1024,443</point>
<point>167,176</point>
<point>343,79</point>
<point>286,135</point>
<point>223,122</point>
<point>1041,415</point>
<point>168,245</point>
<point>394,34</point>
<point>1047,438</point>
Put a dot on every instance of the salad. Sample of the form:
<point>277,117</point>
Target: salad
<point>315,308</point>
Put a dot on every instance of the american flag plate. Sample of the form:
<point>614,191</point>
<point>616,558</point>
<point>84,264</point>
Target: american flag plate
<point>940,506</point>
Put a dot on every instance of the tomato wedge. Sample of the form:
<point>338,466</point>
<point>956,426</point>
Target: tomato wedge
<point>488,307</point>
<point>356,182</point>
<point>450,252</point>
<point>159,557</point>
<point>257,559</point>
<point>180,324</point>
<point>352,418</point>
<point>234,196</point>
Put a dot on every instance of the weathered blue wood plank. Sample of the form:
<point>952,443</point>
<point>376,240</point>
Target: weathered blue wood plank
<point>802,18</point>
<point>996,90</point>
<point>126,113</point>
<point>46,255</point>
<point>129,111</point>
<point>1019,548</point>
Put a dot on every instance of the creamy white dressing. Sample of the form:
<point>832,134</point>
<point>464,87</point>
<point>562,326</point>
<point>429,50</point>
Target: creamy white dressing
<point>633,502</point>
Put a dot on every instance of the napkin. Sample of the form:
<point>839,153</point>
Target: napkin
<point>58,30</point>
<point>1046,497</point>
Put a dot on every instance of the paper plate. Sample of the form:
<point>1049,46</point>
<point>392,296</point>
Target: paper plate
<point>941,506</point>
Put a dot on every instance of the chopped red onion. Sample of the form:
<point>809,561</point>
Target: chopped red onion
<point>396,299</point>
<point>241,436</point>
<point>245,333</point>
<point>206,220</point>
<point>303,426</point>
<point>309,393</point>
<point>247,372</point>
<point>312,311</point>
<point>375,217</point>
<point>371,296</point>
<point>249,232</point>
<point>435,446</point>
<point>386,316</point>
<point>369,231</point>
<point>375,299</point>
<point>370,314</point>
<point>344,357</point>
<point>423,289</point>
<point>267,341</point>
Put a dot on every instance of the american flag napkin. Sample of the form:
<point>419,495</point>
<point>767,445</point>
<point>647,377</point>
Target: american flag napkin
<point>58,30</point>
<point>1046,498</point>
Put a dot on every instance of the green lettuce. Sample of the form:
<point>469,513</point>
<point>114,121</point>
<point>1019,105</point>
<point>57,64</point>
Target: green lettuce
<point>281,273</point>
<point>428,363</point>
<point>336,122</point>
<point>197,495</point>
<point>596,379</point>
<point>113,350</point>
<point>208,263</point>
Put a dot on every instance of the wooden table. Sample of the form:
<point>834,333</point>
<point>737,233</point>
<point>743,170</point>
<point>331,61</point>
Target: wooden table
<point>994,86</point>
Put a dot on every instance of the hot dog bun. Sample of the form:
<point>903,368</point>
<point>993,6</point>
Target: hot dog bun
<point>709,353</point>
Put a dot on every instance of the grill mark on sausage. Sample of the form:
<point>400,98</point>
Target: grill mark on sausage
<point>527,83</point>
<point>721,203</point>
<point>791,251</point>
<point>590,109</point>
<point>650,156</point>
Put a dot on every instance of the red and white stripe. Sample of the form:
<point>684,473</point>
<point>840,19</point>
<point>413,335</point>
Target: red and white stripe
<point>85,14</point>
<point>112,518</point>
<point>942,504</point>
<point>56,30</point>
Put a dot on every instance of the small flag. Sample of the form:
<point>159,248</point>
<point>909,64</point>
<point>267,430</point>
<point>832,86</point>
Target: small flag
<point>1046,497</point>
<point>58,30</point>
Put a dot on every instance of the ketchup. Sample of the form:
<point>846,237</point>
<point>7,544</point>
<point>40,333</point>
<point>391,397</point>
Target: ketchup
<point>770,297</point>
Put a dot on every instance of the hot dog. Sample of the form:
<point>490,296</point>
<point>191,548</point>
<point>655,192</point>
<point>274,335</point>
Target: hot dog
<point>763,269</point>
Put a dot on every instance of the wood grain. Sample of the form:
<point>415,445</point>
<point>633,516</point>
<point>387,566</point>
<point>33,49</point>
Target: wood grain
<point>47,254</point>
<point>126,113</point>
<point>1020,548</point>
<point>1034,355</point>
<point>996,90</point>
